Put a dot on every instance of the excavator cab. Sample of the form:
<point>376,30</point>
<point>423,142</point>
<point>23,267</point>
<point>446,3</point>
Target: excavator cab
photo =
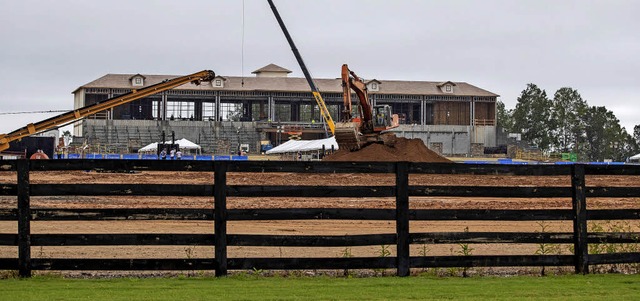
<point>382,118</point>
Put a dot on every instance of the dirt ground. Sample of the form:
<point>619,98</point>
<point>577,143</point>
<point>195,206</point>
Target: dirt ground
<point>297,227</point>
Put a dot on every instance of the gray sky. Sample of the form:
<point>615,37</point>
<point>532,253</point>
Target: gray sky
<point>49,48</point>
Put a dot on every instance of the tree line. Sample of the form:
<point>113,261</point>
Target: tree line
<point>567,124</point>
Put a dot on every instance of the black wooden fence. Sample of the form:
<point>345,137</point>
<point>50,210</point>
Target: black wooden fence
<point>403,238</point>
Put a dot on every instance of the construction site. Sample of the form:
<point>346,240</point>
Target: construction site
<point>395,140</point>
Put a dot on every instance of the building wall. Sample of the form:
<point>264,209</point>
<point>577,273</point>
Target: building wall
<point>78,102</point>
<point>455,140</point>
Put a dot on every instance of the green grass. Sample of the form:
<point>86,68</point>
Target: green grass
<point>570,287</point>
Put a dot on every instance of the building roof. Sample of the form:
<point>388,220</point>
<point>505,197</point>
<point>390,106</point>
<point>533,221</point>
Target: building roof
<point>272,68</point>
<point>294,84</point>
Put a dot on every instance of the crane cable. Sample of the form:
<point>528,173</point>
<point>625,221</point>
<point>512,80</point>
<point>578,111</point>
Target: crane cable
<point>33,112</point>
<point>242,50</point>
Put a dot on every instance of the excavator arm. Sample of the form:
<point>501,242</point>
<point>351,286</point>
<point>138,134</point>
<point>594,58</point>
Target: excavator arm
<point>77,114</point>
<point>351,81</point>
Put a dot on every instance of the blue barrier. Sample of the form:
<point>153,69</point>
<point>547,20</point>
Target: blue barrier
<point>73,156</point>
<point>239,158</point>
<point>203,158</point>
<point>93,156</point>
<point>149,157</point>
<point>222,158</point>
<point>478,162</point>
<point>130,156</point>
<point>188,157</point>
<point>112,156</point>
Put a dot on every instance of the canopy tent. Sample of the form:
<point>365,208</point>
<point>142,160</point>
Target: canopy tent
<point>635,158</point>
<point>183,144</point>
<point>294,146</point>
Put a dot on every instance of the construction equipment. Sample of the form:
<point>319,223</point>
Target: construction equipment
<point>354,132</point>
<point>314,90</point>
<point>77,114</point>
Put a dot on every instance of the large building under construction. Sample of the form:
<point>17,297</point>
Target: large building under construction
<point>454,118</point>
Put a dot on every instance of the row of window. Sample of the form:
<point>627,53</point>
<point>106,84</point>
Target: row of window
<point>285,111</point>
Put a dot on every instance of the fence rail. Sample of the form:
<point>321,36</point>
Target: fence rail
<point>403,238</point>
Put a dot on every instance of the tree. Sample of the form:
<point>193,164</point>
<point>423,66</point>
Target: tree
<point>568,107</point>
<point>532,117</point>
<point>503,117</point>
<point>604,137</point>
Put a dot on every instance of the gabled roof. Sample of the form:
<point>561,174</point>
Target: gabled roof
<point>220,77</point>
<point>373,81</point>
<point>440,85</point>
<point>137,75</point>
<point>271,68</point>
<point>295,84</point>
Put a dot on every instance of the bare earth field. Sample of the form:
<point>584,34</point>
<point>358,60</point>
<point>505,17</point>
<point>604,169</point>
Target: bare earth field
<point>303,227</point>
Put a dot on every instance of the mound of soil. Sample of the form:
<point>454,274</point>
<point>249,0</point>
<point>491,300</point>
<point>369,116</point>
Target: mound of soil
<point>411,150</point>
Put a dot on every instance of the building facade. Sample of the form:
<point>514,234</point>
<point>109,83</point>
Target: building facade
<point>449,116</point>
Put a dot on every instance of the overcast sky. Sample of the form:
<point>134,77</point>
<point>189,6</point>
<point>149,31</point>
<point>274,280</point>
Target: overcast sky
<point>49,48</point>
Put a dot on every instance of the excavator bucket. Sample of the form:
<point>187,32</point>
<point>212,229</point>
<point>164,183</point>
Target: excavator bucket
<point>348,136</point>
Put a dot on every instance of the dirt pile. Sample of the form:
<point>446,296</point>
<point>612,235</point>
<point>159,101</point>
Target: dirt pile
<point>411,150</point>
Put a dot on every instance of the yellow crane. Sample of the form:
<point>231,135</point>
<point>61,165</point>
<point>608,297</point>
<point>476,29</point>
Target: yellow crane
<point>77,114</point>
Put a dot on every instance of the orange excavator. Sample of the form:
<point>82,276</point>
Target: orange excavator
<point>353,132</point>
<point>369,123</point>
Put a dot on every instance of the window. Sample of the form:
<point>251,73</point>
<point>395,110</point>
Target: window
<point>374,86</point>
<point>155,109</point>
<point>282,112</point>
<point>447,88</point>
<point>138,81</point>
<point>309,112</point>
<point>208,111</point>
<point>230,111</point>
<point>180,109</point>
<point>218,83</point>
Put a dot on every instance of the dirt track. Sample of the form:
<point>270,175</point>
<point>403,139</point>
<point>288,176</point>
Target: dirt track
<point>311,227</point>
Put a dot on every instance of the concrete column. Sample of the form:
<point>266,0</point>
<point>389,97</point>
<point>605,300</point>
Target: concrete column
<point>472,113</point>
<point>271,108</point>
<point>163,106</point>
<point>218,117</point>
<point>423,113</point>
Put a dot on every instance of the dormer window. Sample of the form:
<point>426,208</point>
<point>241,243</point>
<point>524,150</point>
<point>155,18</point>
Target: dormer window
<point>218,82</point>
<point>446,87</point>
<point>137,80</point>
<point>373,85</point>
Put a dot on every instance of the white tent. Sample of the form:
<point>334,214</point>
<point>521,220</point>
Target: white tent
<point>635,158</point>
<point>183,143</point>
<point>294,146</point>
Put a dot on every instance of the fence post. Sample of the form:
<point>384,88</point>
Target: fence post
<point>402,218</point>
<point>220,216</point>
<point>24,219</point>
<point>581,247</point>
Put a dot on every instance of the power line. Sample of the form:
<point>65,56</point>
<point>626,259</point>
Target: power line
<point>33,112</point>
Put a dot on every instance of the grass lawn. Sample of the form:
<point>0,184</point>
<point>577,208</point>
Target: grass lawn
<point>570,287</point>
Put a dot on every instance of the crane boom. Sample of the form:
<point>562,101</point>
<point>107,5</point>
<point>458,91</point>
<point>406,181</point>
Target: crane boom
<point>77,114</point>
<point>314,90</point>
